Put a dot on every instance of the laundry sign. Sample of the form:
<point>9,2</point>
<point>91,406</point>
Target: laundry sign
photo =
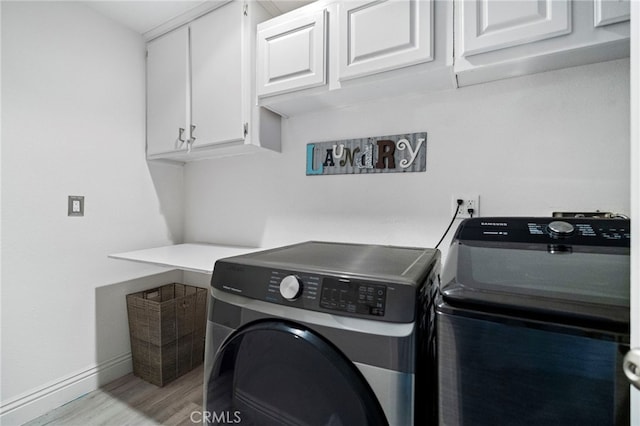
<point>382,154</point>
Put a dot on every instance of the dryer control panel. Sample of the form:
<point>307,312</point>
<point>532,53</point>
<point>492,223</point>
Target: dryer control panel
<point>383,301</point>
<point>353,297</point>
<point>372,282</point>
<point>326,293</point>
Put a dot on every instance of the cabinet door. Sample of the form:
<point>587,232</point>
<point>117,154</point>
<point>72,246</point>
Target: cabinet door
<point>291,55</point>
<point>611,11</point>
<point>167,91</point>
<point>378,36</point>
<point>488,25</point>
<point>216,76</point>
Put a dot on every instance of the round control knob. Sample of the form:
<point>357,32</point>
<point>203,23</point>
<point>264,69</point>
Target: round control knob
<point>290,287</point>
<point>560,228</point>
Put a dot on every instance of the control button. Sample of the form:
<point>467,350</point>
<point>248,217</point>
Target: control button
<point>560,228</point>
<point>290,287</point>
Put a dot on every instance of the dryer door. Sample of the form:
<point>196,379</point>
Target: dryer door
<point>281,373</point>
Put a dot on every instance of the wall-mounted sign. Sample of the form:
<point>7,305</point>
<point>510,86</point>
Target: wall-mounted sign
<point>382,154</point>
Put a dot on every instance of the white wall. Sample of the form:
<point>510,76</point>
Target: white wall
<point>527,146</point>
<point>73,117</point>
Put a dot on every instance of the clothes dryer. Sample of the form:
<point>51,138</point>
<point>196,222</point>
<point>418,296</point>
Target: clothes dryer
<point>322,334</point>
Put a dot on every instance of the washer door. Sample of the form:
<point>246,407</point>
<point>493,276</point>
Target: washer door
<point>281,373</point>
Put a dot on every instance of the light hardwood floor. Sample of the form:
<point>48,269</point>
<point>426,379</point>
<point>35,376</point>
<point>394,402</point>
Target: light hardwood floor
<point>130,400</point>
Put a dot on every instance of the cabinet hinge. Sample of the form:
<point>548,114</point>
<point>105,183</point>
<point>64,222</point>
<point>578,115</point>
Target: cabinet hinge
<point>246,129</point>
<point>245,9</point>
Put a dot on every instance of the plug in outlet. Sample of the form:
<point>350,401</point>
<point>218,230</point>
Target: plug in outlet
<point>469,203</point>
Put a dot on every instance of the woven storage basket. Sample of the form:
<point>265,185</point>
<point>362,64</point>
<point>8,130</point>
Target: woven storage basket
<point>167,329</point>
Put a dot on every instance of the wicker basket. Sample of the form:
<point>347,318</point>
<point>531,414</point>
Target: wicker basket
<point>167,329</point>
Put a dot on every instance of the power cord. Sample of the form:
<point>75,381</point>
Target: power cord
<point>455,215</point>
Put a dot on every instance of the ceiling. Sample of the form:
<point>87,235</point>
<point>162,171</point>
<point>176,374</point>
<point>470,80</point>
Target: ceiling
<point>143,16</point>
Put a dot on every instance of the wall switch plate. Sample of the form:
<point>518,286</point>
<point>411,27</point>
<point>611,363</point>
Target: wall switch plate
<point>75,205</point>
<point>469,202</point>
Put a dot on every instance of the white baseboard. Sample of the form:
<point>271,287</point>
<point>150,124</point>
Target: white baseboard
<point>32,404</point>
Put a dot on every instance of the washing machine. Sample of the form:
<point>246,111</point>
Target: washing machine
<point>533,322</point>
<point>322,333</point>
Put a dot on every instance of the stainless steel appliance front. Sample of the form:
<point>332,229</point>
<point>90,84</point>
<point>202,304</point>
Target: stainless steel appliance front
<point>337,344</point>
<point>533,322</point>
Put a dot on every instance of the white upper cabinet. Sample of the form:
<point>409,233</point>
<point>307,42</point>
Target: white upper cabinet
<point>495,24</point>
<point>291,55</point>
<point>378,36</point>
<point>335,53</point>
<point>200,90</point>
<point>611,11</point>
<point>505,38</point>
<point>167,93</point>
<point>216,90</point>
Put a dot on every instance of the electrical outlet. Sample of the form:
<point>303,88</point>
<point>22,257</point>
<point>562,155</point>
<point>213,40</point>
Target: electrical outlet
<point>468,202</point>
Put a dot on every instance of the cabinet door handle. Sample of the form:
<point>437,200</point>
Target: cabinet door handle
<point>180,140</point>
<point>192,139</point>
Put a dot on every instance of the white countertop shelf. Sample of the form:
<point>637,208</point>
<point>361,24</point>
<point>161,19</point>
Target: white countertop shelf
<point>187,257</point>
